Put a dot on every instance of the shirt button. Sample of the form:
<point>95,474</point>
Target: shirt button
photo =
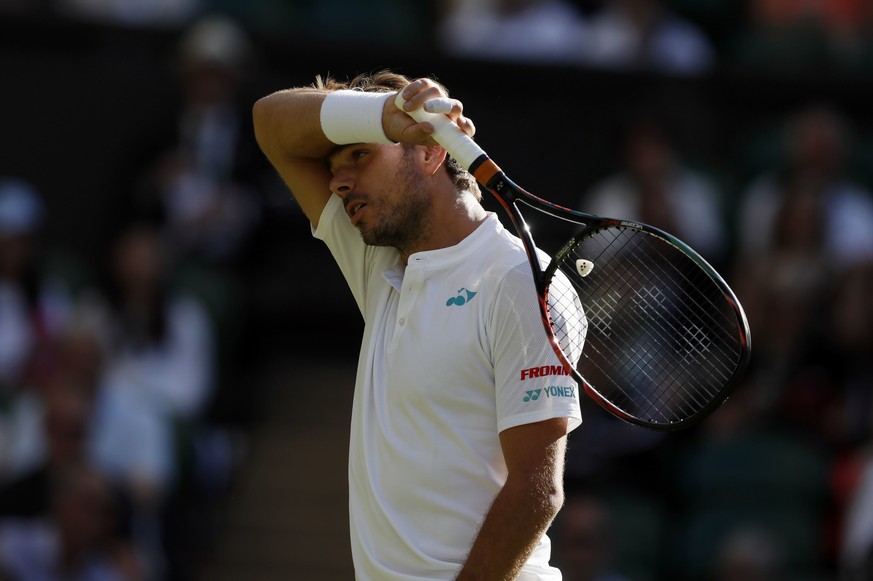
<point>402,321</point>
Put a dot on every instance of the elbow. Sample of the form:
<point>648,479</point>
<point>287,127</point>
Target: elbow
<point>259,110</point>
<point>264,124</point>
<point>259,119</point>
<point>553,501</point>
<point>546,497</point>
<point>550,490</point>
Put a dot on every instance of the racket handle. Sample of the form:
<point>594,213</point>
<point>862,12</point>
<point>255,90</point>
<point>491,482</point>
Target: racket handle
<point>457,143</point>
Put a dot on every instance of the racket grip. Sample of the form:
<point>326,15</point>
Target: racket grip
<point>457,143</point>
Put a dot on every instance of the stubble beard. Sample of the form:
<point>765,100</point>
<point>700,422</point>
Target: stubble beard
<point>406,221</point>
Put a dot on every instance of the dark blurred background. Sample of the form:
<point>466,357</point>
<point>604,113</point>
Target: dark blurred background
<point>177,353</point>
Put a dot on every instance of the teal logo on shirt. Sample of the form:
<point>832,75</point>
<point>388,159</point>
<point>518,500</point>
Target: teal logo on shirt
<point>463,297</point>
<point>552,391</point>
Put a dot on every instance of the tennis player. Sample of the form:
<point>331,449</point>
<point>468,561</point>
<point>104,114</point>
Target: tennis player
<point>461,408</point>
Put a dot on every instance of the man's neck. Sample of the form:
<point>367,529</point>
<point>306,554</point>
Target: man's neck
<point>451,225</point>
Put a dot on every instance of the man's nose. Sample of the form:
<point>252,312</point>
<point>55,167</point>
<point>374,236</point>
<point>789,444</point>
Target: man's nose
<point>342,183</point>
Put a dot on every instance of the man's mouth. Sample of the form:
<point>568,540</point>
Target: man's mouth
<point>353,209</point>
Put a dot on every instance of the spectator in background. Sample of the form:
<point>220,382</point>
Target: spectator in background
<point>203,182</point>
<point>816,150</point>
<point>160,367</point>
<point>804,276</point>
<point>75,541</point>
<point>850,338</point>
<point>158,380</point>
<point>655,186</point>
<point>61,406</point>
<point>528,31</point>
<point>645,36</point>
<point>32,309</point>
<point>804,233</point>
<point>782,284</point>
<point>38,534</point>
<point>66,419</point>
<point>22,303</point>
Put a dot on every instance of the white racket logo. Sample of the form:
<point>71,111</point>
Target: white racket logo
<point>584,267</point>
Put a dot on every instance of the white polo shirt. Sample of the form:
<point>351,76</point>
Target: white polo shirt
<point>453,353</point>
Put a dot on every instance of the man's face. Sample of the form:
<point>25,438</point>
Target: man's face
<point>383,189</point>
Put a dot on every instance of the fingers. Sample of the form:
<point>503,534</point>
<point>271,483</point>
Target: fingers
<point>453,108</point>
<point>439,105</point>
<point>419,91</point>
<point>427,94</point>
<point>466,126</point>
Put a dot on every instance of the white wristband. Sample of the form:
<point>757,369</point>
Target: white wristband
<point>354,117</point>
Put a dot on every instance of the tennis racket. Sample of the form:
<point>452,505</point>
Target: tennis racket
<point>663,340</point>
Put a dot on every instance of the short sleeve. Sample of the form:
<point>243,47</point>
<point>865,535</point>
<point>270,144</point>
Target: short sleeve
<point>531,382</point>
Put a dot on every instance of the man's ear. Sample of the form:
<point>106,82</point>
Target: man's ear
<point>433,157</point>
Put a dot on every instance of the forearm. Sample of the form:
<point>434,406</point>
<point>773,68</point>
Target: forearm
<point>521,513</point>
<point>287,125</point>
<point>288,129</point>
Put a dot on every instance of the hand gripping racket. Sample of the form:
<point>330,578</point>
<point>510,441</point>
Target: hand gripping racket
<point>665,338</point>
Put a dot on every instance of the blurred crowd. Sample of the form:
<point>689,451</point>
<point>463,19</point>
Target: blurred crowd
<point>670,36</point>
<point>110,372</point>
<point>111,449</point>
<point>777,483</point>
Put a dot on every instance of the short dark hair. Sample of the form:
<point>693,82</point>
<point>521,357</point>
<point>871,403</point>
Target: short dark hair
<point>386,81</point>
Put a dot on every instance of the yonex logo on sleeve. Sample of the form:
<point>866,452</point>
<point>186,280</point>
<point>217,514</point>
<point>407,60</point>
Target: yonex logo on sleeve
<point>464,296</point>
<point>552,391</point>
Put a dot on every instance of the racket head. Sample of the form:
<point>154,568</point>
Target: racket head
<point>684,336</point>
<point>665,338</point>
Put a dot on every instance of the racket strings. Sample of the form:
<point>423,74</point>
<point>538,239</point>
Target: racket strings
<point>648,367</point>
<point>640,368</point>
<point>705,306</point>
<point>692,320</point>
<point>660,350</point>
<point>662,340</point>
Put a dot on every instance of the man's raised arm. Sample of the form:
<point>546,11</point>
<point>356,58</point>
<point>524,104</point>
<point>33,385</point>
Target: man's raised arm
<point>288,130</point>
